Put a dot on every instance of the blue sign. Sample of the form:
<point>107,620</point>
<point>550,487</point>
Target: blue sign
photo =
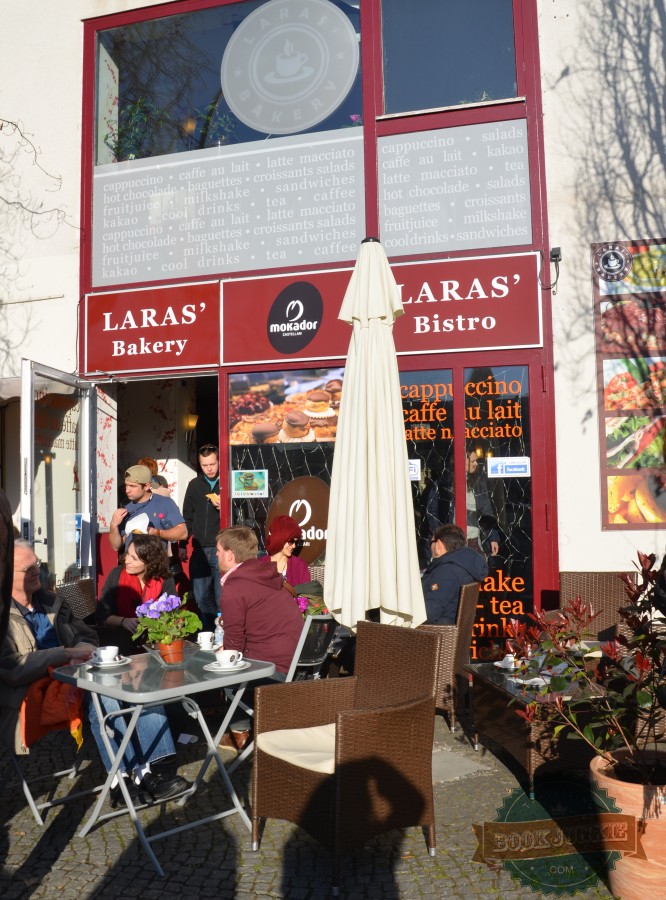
<point>508,467</point>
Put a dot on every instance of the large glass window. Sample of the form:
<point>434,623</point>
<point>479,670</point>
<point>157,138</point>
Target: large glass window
<point>499,498</point>
<point>226,75</point>
<point>441,53</point>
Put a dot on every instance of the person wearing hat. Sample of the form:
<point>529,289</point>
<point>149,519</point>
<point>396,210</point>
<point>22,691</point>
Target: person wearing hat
<point>282,537</point>
<point>146,513</point>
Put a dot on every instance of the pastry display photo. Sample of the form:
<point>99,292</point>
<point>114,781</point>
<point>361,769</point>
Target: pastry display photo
<point>285,408</point>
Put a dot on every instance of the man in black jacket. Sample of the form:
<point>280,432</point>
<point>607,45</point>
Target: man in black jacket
<point>201,511</point>
<point>453,564</point>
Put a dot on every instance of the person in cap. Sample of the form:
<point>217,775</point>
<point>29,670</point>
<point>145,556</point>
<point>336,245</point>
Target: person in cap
<point>145,513</point>
<point>282,538</point>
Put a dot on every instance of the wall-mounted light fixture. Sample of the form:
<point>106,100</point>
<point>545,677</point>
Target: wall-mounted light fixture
<point>190,423</point>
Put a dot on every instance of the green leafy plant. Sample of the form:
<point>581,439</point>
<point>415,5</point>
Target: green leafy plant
<point>616,703</point>
<point>165,620</point>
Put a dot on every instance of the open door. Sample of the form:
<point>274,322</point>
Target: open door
<point>57,478</point>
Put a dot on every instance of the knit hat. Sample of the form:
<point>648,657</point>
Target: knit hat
<point>281,530</point>
<point>139,474</point>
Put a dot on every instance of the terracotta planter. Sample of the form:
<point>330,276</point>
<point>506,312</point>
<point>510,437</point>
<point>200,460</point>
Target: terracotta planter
<point>634,878</point>
<point>171,653</point>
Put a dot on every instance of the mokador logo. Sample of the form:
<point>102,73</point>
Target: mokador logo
<point>306,501</point>
<point>295,317</point>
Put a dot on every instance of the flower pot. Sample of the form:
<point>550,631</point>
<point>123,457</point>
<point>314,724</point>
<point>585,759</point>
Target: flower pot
<point>171,653</point>
<point>632,877</point>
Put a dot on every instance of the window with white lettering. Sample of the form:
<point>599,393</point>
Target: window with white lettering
<point>449,54</point>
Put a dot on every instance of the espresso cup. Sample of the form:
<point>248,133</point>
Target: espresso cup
<point>509,661</point>
<point>106,654</point>
<point>229,658</point>
<point>205,640</point>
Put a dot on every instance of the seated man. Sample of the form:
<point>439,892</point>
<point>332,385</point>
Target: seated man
<point>44,632</point>
<point>261,618</point>
<point>453,564</point>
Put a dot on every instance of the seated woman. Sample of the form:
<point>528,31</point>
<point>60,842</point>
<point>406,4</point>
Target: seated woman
<point>143,576</point>
<point>281,538</point>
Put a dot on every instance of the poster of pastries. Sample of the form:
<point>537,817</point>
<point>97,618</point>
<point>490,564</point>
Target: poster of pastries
<point>630,320</point>
<point>294,407</point>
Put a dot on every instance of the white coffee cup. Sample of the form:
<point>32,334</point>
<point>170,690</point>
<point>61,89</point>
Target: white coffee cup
<point>228,658</point>
<point>106,654</point>
<point>205,640</point>
<point>509,661</point>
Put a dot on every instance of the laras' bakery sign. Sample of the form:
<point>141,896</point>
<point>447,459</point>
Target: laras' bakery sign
<point>152,330</point>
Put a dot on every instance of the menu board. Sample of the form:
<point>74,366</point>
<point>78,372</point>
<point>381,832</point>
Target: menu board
<point>630,315</point>
<point>289,202</point>
<point>455,189</point>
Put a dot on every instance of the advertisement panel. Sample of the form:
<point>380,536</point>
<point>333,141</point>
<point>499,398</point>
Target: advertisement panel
<point>480,303</point>
<point>630,313</point>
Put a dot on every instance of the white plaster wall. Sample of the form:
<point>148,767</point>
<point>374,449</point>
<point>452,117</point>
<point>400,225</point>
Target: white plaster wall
<point>603,170</point>
<point>41,89</point>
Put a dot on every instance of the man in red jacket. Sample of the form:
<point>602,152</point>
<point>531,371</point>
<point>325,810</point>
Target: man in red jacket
<point>261,618</point>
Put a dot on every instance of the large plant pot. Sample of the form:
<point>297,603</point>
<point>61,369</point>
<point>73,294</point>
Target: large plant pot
<point>171,653</point>
<point>633,878</point>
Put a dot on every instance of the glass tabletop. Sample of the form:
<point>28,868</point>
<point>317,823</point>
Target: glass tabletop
<point>142,678</point>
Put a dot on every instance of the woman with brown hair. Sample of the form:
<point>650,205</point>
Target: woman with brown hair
<point>143,576</point>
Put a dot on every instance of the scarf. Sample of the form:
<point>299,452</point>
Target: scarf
<point>129,594</point>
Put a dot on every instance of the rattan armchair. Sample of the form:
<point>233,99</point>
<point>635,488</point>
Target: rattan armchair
<point>365,764</point>
<point>604,590</point>
<point>453,653</point>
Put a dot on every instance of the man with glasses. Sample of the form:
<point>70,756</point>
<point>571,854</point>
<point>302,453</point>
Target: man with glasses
<point>201,510</point>
<point>43,633</point>
<point>453,564</point>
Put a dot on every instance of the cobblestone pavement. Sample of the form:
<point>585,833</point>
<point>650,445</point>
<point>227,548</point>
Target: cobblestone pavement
<point>215,860</point>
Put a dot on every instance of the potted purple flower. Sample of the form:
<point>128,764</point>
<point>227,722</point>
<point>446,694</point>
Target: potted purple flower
<point>165,622</point>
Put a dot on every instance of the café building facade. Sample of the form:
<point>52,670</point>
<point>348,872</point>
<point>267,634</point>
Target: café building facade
<point>223,162</point>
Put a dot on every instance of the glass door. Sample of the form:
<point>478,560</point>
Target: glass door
<point>57,484</point>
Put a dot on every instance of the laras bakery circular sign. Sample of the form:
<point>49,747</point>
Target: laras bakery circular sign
<point>289,65</point>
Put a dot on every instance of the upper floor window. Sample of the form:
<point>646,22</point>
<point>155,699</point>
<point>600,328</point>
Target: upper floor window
<point>440,53</point>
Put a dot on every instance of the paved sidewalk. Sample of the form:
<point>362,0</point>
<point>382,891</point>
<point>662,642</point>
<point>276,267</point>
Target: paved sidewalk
<point>216,860</point>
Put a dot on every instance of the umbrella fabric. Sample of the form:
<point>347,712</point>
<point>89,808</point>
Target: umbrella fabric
<point>371,558</point>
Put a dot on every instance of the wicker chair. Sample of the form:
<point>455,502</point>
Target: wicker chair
<point>605,591</point>
<point>80,597</point>
<point>453,653</point>
<point>365,742</point>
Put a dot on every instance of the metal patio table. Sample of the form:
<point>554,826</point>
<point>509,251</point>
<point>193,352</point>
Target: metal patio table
<point>144,682</point>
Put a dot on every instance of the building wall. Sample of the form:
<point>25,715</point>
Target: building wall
<point>602,69</point>
<point>602,76</point>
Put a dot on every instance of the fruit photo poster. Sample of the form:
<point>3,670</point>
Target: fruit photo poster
<point>630,323</point>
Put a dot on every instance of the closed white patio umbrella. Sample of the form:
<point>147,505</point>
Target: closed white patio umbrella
<point>371,558</point>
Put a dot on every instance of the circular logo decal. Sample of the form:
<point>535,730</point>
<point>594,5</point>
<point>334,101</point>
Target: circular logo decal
<point>305,500</point>
<point>295,317</point>
<point>289,65</point>
<point>612,262</point>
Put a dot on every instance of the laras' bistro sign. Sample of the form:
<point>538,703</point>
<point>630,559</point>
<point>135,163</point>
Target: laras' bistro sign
<point>490,302</point>
<point>154,329</point>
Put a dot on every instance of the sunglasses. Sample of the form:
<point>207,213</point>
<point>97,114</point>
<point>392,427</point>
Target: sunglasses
<point>207,449</point>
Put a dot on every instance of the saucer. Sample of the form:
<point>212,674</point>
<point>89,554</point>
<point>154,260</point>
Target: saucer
<point>216,667</point>
<point>507,668</point>
<point>118,661</point>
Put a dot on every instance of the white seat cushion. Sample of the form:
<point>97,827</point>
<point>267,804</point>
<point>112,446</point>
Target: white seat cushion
<point>310,748</point>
